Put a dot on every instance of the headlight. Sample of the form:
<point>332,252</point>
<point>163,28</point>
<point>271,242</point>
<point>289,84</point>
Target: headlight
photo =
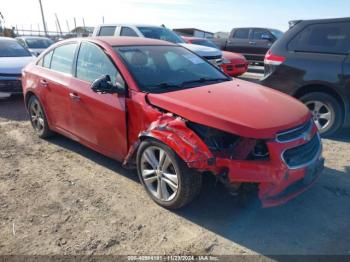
<point>230,146</point>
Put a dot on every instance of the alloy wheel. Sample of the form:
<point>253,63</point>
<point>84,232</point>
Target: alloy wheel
<point>159,173</point>
<point>37,116</point>
<point>321,112</point>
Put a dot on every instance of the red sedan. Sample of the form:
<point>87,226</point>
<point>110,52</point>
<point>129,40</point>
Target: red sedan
<point>171,114</point>
<point>233,64</point>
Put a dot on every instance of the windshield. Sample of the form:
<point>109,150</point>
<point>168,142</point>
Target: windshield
<point>11,48</point>
<point>38,43</point>
<point>161,33</point>
<point>277,33</point>
<point>204,42</point>
<point>159,69</point>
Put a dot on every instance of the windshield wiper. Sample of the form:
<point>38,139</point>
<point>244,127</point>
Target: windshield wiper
<point>203,80</point>
<point>166,85</point>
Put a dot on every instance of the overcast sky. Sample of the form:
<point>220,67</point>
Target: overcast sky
<point>211,15</point>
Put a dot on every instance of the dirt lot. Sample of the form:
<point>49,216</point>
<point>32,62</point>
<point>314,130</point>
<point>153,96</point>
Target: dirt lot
<point>58,197</point>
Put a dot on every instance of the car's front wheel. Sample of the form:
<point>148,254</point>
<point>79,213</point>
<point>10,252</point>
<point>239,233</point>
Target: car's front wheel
<point>38,118</point>
<point>326,111</point>
<point>165,176</point>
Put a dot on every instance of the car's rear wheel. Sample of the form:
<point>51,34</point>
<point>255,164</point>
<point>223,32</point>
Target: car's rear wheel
<point>166,178</point>
<point>38,118</point>
<point>326,111</point>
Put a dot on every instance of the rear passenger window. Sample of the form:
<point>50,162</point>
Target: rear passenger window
<point>62,58</point>
<point>241,34</point>
<point>127,31</point>
<point>259,33</point>
<point>47,60</point>
<point>107,31</point>
<point>93,63</point>
<point>323,38</point>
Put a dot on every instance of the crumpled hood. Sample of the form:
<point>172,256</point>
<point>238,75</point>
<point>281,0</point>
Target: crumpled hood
<point>203,51</point>
<point>237,107</point>
<point>14,65</point>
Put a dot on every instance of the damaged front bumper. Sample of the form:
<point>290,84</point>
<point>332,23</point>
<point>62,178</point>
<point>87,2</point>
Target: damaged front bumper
<point>278,180</point>
<point>294,158</point>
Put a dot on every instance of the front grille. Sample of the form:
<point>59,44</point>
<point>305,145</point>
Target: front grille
<point>10,75</point>
<point>229,67</point>
<point>11,86</point>
<point>302,155</point>
<point>295,133</point>
<point>240,65</point>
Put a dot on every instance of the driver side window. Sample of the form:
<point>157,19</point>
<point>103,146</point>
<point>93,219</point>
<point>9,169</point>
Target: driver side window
<point>92,63</point>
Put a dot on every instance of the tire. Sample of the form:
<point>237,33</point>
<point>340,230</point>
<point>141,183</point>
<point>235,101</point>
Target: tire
<point>322,105</point>
<point>38,118</point>
<point>188,181</point>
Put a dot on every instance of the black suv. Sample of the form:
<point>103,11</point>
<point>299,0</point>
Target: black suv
<point>253,43</point>
<point>311,62</point>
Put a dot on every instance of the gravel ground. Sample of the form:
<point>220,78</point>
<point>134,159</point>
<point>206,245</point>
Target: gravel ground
<point>58,197</point>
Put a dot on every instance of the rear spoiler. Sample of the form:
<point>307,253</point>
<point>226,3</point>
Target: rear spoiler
<point>293,23</point>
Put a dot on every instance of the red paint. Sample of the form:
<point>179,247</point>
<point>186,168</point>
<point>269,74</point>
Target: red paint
<point>270,58</point>
<point>237,106</point>
<point>234,64</point>
<point>114,125</point>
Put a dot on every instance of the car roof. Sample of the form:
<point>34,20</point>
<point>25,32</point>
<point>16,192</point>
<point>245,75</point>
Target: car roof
<point>193,38</point>
<point>128,41</point>
<point>33,37</point>
<point>263,28</point>
<point>7,38</point>
<point>129,25</point>
<point>326,20</point>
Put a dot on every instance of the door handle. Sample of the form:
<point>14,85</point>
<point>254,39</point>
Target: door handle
<point>44,83</point>
<point>74,96</point>
<point>252,43</point>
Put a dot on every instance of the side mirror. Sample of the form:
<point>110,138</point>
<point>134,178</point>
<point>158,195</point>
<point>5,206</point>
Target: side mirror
<point>104,85</point>
<point>267,37</point>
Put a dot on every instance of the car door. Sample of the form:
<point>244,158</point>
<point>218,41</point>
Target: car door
<point>99,119</point>
<point>260,42</point>
<point>54,81</point>
<point>238,41</point>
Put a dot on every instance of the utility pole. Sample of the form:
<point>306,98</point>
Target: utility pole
<point>43,17</point>
<point>75,27</point>
<point>68,26</point>
<point>58,23</point>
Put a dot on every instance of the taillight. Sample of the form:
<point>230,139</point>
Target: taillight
<point>271,59</point>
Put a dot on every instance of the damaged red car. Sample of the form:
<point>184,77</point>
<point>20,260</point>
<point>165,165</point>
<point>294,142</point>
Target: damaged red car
<point>160,108</point>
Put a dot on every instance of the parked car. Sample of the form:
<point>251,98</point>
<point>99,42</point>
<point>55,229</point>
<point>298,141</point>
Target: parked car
<point>157,106</point>
<point>35,44</point>
<point>253,43</point>
<point>311,62</point>
<point>233,64</point>
<point>13,57</point>
<point>213,55</point>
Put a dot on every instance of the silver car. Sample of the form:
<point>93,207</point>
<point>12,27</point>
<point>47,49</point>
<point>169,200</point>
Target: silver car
<point>35,44</point>
<point>13,57</point>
